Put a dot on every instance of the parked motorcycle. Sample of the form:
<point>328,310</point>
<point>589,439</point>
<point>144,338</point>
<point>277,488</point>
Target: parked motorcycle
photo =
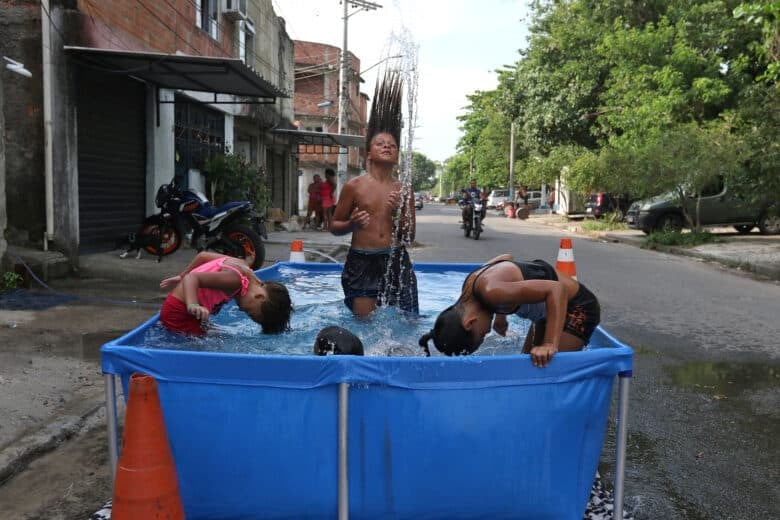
<point>473,221</point>
<point>233,229</point>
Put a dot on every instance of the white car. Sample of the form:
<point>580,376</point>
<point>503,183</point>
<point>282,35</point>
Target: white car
<point>497,198</point>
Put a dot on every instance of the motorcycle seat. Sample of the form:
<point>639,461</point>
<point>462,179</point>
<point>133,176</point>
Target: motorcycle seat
<point>210,211</point>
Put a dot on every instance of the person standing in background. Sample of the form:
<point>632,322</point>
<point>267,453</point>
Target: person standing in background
<point>314,208</point>
<point>328,198</point>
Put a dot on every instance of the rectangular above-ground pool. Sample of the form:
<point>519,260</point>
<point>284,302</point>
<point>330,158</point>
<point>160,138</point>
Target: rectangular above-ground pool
<point>489,437</point>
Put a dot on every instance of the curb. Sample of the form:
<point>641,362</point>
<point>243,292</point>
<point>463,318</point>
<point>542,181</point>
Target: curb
<point>15,457</point>
<point>769,271</point>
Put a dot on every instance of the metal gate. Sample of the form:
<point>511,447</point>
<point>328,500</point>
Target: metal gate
<point>111,158</point>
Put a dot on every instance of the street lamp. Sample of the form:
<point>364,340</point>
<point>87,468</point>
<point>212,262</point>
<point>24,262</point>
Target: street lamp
<point>343,158</point>
<point>380,62</point>
<point>17,67</point>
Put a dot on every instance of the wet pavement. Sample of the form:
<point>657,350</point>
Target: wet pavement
<point>51,387</point>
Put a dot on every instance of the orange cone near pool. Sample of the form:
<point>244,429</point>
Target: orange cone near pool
<point>565,263</point>
<point>296,251</point>
<point>145,485</point>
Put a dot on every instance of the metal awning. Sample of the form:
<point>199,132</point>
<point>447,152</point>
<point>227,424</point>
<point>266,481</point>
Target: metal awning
<point>306,137</point>
<point>177,71</point>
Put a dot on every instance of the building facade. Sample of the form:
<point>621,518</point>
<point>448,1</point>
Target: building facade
<point>128,94</point>
<point>316,105</point>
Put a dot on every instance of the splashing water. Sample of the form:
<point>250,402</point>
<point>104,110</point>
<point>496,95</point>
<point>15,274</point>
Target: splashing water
<point>318,302</point>
<point>404,46</point>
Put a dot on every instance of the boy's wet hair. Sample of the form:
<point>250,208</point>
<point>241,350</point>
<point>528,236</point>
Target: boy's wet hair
<point>276,309</point>
<point>337,340</point>
<point>386,108</point>
<point>449,336</point>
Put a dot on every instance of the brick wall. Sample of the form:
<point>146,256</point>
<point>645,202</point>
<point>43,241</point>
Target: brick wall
<point>151,25</point>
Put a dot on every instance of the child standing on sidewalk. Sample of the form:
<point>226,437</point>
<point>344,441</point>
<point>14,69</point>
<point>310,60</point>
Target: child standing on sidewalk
<point>212,279</point>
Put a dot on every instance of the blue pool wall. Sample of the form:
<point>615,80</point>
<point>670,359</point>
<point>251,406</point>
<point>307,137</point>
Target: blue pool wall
<point>428,438</point>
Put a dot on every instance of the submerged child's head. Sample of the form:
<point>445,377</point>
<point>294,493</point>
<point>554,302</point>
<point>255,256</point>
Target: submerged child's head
<point>448,334</point>
<point>269,304</point>
<point>337,340</point>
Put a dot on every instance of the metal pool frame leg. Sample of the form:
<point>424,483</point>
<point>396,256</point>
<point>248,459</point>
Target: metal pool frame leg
<point>624,381</point>
<point>111,420</point>
<point>343,451</point>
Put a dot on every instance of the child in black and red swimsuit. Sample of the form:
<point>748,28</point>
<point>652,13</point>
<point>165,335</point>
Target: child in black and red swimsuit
<point>563,312</point>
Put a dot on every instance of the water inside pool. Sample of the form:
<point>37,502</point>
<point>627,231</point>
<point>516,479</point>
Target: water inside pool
<point>318,302</point>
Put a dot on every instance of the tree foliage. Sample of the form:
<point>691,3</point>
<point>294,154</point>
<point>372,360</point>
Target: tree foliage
<point>634,97</point>
<point>423,172</point>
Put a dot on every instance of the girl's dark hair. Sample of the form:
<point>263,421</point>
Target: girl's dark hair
<point>449,336</point>
<point>386,108</point>
<point>276,309</point>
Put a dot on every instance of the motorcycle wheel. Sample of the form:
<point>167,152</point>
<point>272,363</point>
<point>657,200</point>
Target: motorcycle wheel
<point>250,242</point>
<point>169,236</point>
<point>477,228</point>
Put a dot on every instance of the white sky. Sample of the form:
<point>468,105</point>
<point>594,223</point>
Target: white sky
<point>460,45</point>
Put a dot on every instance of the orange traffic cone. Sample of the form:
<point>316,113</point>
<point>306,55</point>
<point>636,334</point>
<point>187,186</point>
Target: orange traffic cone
<point>296,251</point>
<point>145,485</point>
<point>565,263</point>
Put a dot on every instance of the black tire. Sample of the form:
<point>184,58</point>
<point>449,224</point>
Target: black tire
<point>744,229</point>
<point>164,230</point>
<point>669,222</point>
<point>769,224</point>
<point>477,228</point>
<point>466,231</point>
<point>249,241</point>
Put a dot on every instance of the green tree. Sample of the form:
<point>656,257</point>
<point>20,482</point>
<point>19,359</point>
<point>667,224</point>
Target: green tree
<point>423,172</point>
<point>230,177</point>
<point>765,15</point>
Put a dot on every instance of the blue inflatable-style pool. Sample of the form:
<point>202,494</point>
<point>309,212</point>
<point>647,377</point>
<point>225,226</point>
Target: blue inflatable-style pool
<point>307,437</point>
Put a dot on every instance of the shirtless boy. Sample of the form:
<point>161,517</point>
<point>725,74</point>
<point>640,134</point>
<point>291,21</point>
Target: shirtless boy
<point>379,212</point>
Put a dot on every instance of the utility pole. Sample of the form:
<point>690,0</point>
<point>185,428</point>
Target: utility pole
<point>512,161</point>
<point>344,101</point>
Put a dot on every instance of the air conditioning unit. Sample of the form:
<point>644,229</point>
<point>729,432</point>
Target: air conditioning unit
<point>234,10</point>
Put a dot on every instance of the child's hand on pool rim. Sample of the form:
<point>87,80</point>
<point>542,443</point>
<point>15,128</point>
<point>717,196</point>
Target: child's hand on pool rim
<point>542,354</point>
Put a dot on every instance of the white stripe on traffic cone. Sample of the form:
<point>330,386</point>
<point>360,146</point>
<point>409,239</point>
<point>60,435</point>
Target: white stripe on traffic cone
<point>565,263</point>
<point>296,251</point>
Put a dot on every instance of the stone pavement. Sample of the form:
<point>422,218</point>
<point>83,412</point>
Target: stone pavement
<point>51,387</point>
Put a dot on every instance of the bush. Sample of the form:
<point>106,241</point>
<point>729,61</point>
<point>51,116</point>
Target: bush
<point>231,178</point>
<point>10,281</point>
<point>670,238</point>
<point>609,222</point>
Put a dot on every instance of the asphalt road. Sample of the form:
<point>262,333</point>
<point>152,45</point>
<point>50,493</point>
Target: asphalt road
<point>704,414</point>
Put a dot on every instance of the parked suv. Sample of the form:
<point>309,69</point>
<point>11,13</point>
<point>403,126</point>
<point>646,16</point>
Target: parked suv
<point>719,207</point>
<point>599,203</point>
<point>497,199</point>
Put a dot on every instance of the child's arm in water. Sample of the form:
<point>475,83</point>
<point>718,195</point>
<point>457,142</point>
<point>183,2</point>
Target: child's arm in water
<point>226,280</point>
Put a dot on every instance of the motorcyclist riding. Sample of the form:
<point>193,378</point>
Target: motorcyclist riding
<point>472,193</point>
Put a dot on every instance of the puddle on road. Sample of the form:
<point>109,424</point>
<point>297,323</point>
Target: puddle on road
<point>725,378</point>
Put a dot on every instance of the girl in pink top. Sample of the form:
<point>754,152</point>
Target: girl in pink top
<point>212,279</point>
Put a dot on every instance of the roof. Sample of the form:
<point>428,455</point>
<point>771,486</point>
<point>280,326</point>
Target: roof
<point>306,137</point>
<point>178,71</point>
